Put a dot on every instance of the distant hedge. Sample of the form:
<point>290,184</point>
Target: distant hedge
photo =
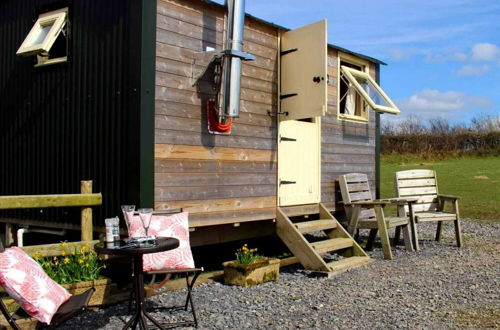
<point>447,144</point>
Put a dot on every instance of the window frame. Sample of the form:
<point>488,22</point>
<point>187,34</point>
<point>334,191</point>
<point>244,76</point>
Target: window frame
<point>57,19</point>
<point>351,75</point>
<point>365,65</point>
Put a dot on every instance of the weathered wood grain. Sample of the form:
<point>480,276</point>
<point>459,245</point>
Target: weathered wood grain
<point>212,179</point>
<point>208,140</point>
<point>219,205</point>
<point>213,166</point>
<point>216,153</point>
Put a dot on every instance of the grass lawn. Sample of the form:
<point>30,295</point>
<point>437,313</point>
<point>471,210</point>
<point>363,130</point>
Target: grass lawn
<point>476,180</point>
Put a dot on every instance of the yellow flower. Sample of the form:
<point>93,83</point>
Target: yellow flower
<point>87,265</point>
<point>55,259</point>
<point>80,261</point>
<point>47,264</point>
<point>73,253</point>
<point>36,255</point>
<point>66,260</point>
<point>62,244</point>
<point>63,253</point>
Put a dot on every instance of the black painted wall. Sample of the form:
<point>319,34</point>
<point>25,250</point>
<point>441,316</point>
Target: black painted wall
<point>73,121</point>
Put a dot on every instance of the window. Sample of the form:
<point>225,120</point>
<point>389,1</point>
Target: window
<point>369,90</point>
<point>47,38</point>
<point>358,91</point>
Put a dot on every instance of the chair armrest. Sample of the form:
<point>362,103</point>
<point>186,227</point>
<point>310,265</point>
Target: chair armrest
<point>368,203</point>
<point>400,200</point>
<point>448,197</point>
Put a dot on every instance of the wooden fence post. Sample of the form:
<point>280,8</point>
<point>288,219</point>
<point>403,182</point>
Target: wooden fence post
<point>86,221</point>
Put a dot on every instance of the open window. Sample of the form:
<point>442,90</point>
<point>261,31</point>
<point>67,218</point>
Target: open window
<point>369,90</point>
<point>47,38</point>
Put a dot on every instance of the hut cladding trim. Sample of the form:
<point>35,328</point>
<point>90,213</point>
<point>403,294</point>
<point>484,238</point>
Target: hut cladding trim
<point>44,33</point>
<point>369,90</point>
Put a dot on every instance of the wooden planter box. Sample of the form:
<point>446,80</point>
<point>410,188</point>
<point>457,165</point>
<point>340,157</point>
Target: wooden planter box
<point>102,289</point>
<point>266,270</point>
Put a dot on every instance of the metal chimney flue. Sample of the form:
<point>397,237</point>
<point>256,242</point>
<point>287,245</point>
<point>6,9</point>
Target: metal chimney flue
<point>231,84</point>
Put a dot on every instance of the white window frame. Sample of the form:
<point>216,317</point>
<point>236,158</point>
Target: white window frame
<point>351,75</point>
<point>56,19</point>
<point>365,67</point>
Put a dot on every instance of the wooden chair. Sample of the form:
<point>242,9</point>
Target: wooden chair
<point>71,308</point>
<point>365,213</point>
<point>422,184</point>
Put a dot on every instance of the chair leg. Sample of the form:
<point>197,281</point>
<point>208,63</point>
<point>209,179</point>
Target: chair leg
<point>458,232</point>
<point>407,237</point>
<point>384,235</point>
<point>189,298</point>
<point>439,230</point>
<point>397,235</point>
<point>371,239</point>
<point>131,299</point>
<point>7,316</point>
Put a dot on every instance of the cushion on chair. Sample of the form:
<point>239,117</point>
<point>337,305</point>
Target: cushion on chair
<point>175,225</point>
<point>26,282</point>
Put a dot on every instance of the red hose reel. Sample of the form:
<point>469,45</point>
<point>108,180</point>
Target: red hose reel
<point>214,125</point>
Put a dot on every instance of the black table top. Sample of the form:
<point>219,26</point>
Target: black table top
<point>164,244</point>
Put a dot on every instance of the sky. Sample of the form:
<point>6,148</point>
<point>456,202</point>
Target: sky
<point>443,56</point>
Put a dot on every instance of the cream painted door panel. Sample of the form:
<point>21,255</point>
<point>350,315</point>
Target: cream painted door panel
<point>304,71</point>
<point>299,162</point>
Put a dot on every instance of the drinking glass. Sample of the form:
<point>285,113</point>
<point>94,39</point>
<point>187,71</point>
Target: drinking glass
<point>128,213</point>
<point>145,216</point>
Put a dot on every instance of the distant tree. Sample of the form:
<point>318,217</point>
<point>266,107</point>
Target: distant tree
<point>412,125</point>
<point>439,126</point>
<point>485,123</point>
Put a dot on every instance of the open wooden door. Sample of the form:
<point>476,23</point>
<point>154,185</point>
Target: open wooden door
<point>303,101</point>
<point>304,85</point>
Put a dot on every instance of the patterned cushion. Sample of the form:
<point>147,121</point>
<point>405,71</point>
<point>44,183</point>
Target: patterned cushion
<point>176,226</point>
<point>26,282</point>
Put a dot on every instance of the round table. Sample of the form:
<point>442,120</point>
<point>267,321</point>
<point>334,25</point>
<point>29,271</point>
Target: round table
<point>164,244</point>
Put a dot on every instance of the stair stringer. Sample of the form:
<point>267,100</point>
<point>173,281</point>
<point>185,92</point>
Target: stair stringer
<point>298,244</point>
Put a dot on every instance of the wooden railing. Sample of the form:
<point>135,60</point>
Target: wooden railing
<point>85,200</point>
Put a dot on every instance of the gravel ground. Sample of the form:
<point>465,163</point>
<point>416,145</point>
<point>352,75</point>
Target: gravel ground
<point>438,287</point>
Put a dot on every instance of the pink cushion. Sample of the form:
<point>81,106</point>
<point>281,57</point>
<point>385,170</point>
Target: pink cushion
<point>177,226</point>
<point>26,282</point>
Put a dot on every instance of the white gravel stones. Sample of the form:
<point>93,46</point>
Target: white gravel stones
<point>422,290</point>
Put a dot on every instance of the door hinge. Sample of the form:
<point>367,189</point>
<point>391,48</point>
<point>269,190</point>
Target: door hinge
<point>287,182</point>
<point>282,138</point>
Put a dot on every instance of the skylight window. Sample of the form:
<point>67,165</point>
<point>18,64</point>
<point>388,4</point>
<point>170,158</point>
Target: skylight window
<point>369,90</point>
<point>44,33</point>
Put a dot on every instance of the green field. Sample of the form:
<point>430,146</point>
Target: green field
<point>476,180</point>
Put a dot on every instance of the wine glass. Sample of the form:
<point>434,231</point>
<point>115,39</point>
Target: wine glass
<point>128,213</point>
<point>145,215</point>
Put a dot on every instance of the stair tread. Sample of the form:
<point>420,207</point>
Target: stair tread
<point>332,244</point>
<point>348,263</point>
<point>315,225</point>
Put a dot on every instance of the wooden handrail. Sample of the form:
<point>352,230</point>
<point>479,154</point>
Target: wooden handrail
<point>42,201</point>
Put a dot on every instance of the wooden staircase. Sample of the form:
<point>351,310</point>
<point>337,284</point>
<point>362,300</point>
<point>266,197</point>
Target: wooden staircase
<point>311,253</point>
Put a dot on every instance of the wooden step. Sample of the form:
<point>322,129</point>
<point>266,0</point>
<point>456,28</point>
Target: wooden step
<point>307,209</point>
<point>315,225</point>
<point>345,264</point>
<point>332,244</point>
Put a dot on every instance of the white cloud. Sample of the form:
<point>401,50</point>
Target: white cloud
<point>485,52</point>
<point>473,70</point>
<point>446,57</point>
<point>430,103</point>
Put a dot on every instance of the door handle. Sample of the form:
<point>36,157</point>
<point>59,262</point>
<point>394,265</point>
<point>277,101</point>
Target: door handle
<point>318,79</point>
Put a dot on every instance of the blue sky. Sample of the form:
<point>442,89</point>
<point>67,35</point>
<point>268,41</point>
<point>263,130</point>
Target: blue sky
<point>443,56</point>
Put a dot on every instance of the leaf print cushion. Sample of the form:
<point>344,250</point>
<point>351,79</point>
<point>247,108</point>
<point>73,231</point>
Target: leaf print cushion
<point>26,282</point>
<point>175,225</point>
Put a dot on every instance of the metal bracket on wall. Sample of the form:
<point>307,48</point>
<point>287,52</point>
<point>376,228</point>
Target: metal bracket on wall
<point>287,182</point>
<point>271,114</point>
<point>288,51</point>
<point>209,57</point>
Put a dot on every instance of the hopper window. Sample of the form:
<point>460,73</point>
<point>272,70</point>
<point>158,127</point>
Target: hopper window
<point>361,84</point>
<point>47,38</point>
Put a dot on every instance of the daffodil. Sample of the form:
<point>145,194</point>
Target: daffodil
<point>66,260</point>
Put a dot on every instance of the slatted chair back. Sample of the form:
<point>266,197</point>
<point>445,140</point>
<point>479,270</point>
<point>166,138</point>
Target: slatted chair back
<point>421,184</point>
<point>355,187</point>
